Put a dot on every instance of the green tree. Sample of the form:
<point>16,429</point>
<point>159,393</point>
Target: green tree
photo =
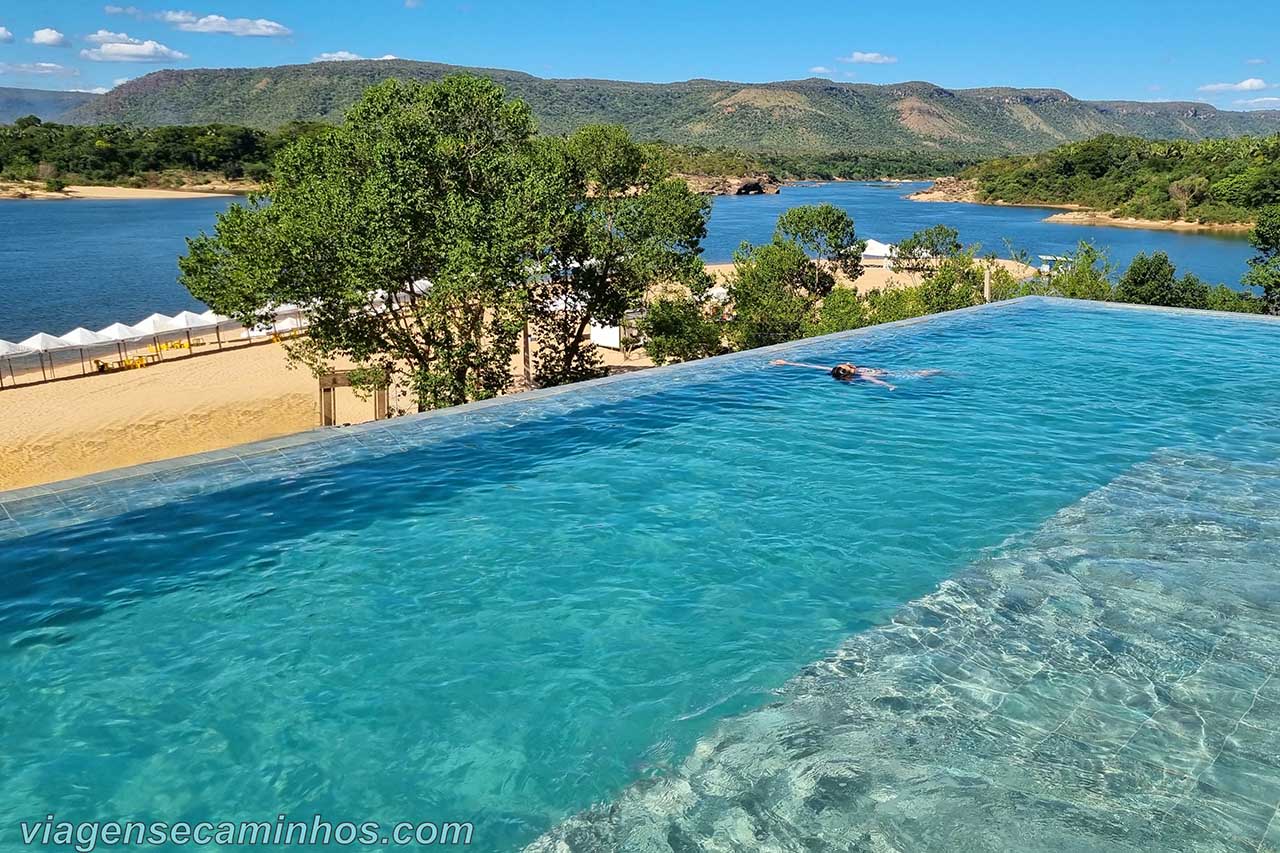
<point>678,328</point>
<point>1152,280</point>
<point>1264,269</point>
<point>958,282</point>
<point>405,232</point>
<point>927,250</point>
<point>827,233</point>
<point>617,221</point>
<point>1085,274</point>
<point>842,309</point>
<point>769,288</point>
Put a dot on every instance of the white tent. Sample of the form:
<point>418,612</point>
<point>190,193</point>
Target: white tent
<point>81,337</point>
<point>288,324</point>
<point>119,332</point>
<point>153,327</point>
<point>7,352</point>
<point>190,321</point>
<point>878,251</point>
<point>215,320</point>
<point>42,342</point>
<point>156,324</point>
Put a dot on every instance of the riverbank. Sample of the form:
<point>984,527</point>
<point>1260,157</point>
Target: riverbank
<point>33,190</point>
<point>961,191</point>
<point>1092,217</point>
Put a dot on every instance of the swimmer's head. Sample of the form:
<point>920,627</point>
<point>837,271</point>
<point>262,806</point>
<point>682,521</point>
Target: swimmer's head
<point>844,371</point>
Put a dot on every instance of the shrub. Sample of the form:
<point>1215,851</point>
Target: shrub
<point>677,329</point>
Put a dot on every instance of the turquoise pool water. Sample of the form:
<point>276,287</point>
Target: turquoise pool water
<point>560,598</point>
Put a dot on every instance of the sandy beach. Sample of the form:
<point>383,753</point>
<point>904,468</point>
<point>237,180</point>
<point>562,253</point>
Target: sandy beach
<point>1092,217</point>
<point>30,190</point>
<point>64,429</point>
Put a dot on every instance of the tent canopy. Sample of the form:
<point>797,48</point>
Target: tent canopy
<point>118,332</point>
<point>156,324</point>
<point>44,342</point>
<point>8,349</point>
<point>213,318</point>
<point>876,249</point>
<point>191,320</point>
<point>82,337</point>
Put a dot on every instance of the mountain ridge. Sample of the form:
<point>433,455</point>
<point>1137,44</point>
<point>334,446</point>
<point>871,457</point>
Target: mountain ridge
<point>807,115</point>
<point>47,104</point>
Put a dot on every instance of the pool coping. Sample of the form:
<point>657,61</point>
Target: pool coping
<point>34,509</point>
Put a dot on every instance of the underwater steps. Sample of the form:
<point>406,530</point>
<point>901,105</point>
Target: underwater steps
<point>1106,683</point>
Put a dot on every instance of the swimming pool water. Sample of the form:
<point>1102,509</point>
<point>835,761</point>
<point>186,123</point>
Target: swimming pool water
<point>558,598</point>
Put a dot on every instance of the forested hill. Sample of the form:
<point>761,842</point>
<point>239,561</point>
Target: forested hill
<point>812,115</point>
<point>1213,181</point>
<point>48,105</point>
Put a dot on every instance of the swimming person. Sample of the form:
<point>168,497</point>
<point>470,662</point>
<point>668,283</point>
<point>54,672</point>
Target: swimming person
<point>845,372</point>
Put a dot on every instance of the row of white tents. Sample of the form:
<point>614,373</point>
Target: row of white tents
<point>151,330</point>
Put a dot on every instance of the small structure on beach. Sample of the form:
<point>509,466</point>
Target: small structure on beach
<point>881,254</point>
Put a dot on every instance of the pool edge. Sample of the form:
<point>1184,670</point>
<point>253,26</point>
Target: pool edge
<point>34,509</point>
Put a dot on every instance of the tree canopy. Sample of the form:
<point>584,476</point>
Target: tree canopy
<point>423,233</point>
<point>405,232</point>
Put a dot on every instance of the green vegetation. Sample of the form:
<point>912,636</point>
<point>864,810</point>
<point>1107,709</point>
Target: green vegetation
<point>428,229</point>
<point>1264,269</point>
<point>1214,181</point>
<point>1149,280</point>
<point>812,117</point>
<point>112,154</point>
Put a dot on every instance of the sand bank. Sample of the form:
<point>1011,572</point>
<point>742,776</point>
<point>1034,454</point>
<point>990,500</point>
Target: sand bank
<point>37,191</point>
<point>1091,217</point>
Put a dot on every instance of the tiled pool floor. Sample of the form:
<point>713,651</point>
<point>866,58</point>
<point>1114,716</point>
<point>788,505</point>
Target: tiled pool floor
<point>1108,683</point>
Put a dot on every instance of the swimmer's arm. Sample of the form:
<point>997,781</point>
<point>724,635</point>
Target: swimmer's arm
<point>777,362</point>
<point>877,381</point>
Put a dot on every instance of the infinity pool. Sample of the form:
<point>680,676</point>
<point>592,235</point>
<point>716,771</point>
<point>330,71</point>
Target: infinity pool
<point>728,605</point>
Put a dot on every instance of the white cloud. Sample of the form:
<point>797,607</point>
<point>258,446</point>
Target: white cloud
<point>1260,103</point>
<point>1253,84</point>
<point>120,81</point>
<point>99,90</point>
<point>412,4</point>
<point>108,37</point>
<point>821,69</point>
<point>38,69</point>
<point>49,37</point>
<point>5,35</point>
<point>133,51</point>
<point>1255,62</point>
<point>348,56</point>
<point>192,23</point>
<point>869,58</point>
<point>123,10</point>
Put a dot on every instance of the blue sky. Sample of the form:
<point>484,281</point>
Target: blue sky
<point>1175,50</point>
